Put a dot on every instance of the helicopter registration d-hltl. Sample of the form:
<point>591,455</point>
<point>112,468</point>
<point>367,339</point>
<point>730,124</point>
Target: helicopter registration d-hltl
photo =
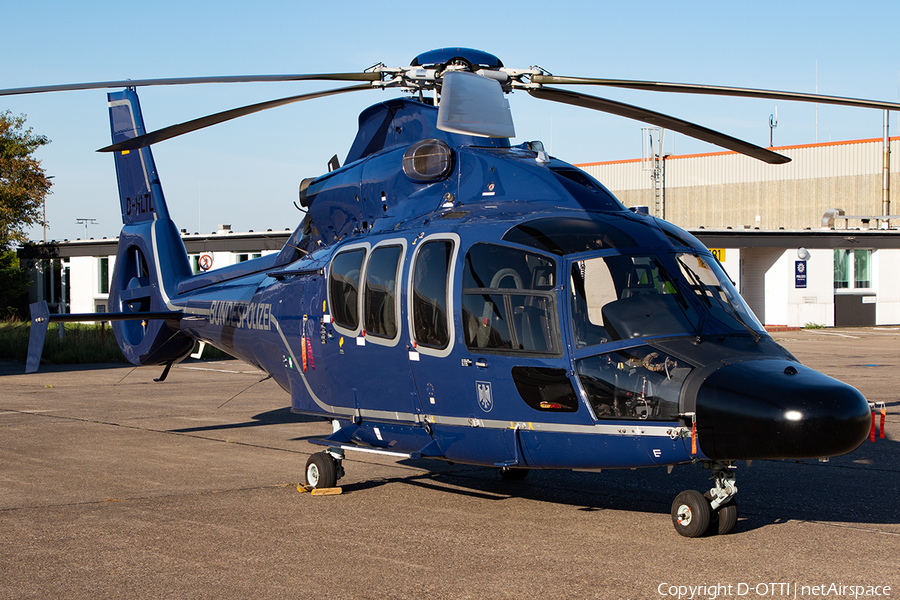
<point>509,310</point>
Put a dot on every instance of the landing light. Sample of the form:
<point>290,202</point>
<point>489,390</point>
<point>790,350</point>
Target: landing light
<point>793,415</point>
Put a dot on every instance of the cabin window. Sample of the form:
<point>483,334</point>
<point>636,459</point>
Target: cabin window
<point>343,287</point>
<point>624,297</point>
<point>430,288</point>
<point>380,304</point>
<point>508,300</point>
<point>638,383</point>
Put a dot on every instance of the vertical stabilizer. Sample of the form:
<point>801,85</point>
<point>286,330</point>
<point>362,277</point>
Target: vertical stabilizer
<point>151,258</point>
<point>140,193</point>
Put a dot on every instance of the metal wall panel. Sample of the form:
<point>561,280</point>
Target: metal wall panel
<point>731,190</point>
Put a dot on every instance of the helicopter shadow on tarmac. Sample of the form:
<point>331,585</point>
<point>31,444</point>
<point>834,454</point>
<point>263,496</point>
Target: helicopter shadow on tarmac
<point>279,416</point>
<point>856,490</point>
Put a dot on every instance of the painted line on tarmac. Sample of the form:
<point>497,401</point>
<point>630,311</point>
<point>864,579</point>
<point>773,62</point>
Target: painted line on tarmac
<point>220,370</point>
<point>817,332</point>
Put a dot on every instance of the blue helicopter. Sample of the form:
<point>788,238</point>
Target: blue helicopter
<point>512,312</point>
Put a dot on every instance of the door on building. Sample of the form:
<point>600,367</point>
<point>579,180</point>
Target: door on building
<point>854,295</point>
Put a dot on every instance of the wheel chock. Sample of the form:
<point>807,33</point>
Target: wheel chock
<point>327,491</point>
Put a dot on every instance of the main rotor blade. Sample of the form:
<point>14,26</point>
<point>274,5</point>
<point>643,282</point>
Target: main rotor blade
<point>654,118</point>
<point>716,90</point>
<point>209,120</point>
<point>369,76</point>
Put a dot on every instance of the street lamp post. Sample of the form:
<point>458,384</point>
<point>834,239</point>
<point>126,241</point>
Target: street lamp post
<point>86,222</point>
<point>44,211</point>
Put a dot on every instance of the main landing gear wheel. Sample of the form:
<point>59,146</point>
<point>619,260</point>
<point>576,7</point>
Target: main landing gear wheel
<point>691,514</point>
<point>321,471</point>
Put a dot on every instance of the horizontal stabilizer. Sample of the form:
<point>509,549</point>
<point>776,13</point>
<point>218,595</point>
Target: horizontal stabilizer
<point>41,319</point>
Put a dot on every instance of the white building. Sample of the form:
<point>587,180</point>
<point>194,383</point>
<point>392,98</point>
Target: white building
<point>830,201</point>
<point>74,276</point>
<point>843,278</point>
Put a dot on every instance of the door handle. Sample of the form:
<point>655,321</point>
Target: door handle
<point>481,363</point>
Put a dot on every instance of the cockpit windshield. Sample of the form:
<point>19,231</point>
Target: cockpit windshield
<point>709,282</point>
<point>623,297</point>
<point>627,296</point>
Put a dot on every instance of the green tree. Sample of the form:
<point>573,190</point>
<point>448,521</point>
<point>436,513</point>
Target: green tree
<point>13,286</point>
<point>23,183</point>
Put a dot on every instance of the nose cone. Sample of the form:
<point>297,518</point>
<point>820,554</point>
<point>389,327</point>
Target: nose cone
<point>773,409</point>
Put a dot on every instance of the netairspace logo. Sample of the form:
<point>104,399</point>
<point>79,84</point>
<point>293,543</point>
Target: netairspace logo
<point>771,590</point>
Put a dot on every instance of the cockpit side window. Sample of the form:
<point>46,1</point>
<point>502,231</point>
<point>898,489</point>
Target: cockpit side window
<point>623,297</point>
<point>430,289</point>
<point>508,300</point>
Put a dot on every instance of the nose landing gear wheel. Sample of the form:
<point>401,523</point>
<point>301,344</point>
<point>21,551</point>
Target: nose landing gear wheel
<point>723,520</point>
<point>723,515</point>
<point>321,471</point>
<point>690,514</point>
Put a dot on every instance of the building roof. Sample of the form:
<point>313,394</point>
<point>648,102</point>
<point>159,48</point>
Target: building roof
<point>222,241</point>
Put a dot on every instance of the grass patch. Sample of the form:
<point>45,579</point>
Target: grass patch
<point>80,344</point>
<point>812,325</point>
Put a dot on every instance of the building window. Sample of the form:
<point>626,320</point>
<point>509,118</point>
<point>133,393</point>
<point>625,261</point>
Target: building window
<point>243,257</point>
<point>104,275</point>
<point>852,269</point>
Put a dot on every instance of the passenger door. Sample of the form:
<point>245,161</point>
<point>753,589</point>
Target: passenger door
<point>364,297</point>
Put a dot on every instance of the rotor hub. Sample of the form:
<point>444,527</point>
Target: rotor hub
<point>467,58</point>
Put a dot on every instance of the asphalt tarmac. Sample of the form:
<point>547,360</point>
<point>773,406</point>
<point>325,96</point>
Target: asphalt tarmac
<point>114,486</point>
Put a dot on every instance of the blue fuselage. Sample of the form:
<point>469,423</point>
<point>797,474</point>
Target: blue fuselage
<point>503,308</point>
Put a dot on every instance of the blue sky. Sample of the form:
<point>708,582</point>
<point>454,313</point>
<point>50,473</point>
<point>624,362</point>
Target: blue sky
<point>246,172</point>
